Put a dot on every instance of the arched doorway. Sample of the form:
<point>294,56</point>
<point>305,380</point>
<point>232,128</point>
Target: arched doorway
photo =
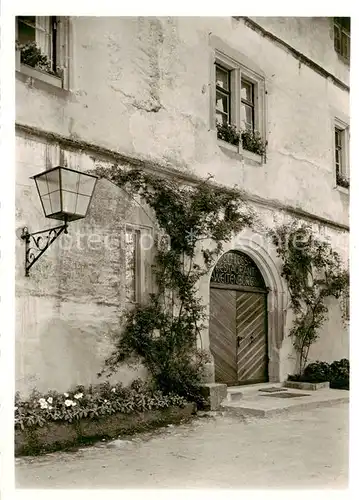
<point>238,320</point>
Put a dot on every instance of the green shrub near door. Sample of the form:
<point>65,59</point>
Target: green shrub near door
<point>337,373</point>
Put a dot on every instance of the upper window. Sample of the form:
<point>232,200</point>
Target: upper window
<point>42,46</point>
<point>40,33</point>
<point>342,36</point>
<point>239,105</point>
<point>341,144</point>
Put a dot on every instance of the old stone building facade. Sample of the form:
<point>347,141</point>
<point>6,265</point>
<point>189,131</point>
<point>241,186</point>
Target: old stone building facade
<point>148,92</point>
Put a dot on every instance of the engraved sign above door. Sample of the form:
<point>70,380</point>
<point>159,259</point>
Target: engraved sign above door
<point>236,268</point>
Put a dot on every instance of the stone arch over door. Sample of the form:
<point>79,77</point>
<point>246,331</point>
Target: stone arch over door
<point>276,301</point>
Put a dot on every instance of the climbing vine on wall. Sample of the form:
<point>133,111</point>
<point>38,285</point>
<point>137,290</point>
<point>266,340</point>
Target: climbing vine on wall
<point>195,222</point>
<point>313,272</point>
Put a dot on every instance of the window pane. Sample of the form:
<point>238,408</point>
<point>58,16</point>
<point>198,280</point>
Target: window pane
<point>69,202</point>
<point>55,202</point>
<point>222,78</point>
<point>338,137</point>
<point>86,185</point>
<point>26,29</point>
<point>247,91</point>
<point>222,102</point>
<point>53,180</point>
<point>42,186</point>
<point>70,180</point>
<point>82,204</point>
<point>345,45</point>
<point>44,35</point>
<point>130,265</point>
<point>337,38</point>
<point>46,204</point>
<point>247,117</point>
<point>221,118</point>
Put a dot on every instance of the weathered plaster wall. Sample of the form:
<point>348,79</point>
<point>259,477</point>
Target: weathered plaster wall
<point>313,36</point>
<point>70,305</point>
<point>150,95</point>
<point>141,86</point>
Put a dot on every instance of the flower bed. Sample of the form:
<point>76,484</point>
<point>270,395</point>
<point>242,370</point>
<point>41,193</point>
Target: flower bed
<point>55,420</point>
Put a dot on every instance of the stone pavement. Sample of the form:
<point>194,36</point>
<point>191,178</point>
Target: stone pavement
<point>305,449</point>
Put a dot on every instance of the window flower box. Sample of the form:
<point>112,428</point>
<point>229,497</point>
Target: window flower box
<point>50,78</point>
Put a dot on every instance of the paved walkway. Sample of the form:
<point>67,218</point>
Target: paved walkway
<point>306,449</point>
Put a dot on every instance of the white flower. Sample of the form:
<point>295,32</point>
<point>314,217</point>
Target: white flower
<point>66,394</point>
<point>50,407</point>
<point>105,400</point>
<point>68,402</point>
<point>73,403</point>
<point>113,389</point>
<point>44,406</point>
<point>42,401</point>
<point>78,396</point>
<point>49,400</point>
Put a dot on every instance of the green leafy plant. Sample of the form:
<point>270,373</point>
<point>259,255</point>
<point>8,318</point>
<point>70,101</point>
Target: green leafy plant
<point>90,402</point>
<point>313,272</point>
<point>318,371</point>
<point>228,133</point>
<point>250,140</point>
<point>31,55</point>
<point>340,374</point>
<point>163,332</point>
<point>337,373</point>
<point>342,181</point>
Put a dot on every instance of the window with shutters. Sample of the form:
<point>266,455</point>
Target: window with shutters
<point>342,36</point>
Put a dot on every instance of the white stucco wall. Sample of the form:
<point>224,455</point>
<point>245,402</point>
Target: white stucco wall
<point>141,87</point>
<point>149,97</point>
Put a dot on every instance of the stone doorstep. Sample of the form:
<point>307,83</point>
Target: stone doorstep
<point>237,392</point>
<point>259,404</point>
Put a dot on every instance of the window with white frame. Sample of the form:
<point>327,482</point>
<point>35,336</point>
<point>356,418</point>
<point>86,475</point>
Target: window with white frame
<point>42,44</point>
<point>341,153</point>
<point>239,104</point>
<point>42,31</point>
<point>342,36</point>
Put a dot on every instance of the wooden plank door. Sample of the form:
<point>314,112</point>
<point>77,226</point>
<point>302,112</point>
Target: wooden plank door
<point>252,357</point>
<point>222,334</point>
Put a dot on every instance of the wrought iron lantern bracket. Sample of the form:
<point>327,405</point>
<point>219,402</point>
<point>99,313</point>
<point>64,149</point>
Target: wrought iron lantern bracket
<point>37,243</point>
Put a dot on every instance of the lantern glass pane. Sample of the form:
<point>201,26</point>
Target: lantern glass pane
<point>46,204</point>
<point>86,185</point>
<point>55,202</point>
<point>70,180</point>
<point>41,183</point>
<point>69,202</point>
<point>82,204</point>
<point>53,180</point>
